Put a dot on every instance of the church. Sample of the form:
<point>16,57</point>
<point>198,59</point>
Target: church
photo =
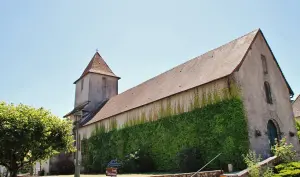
<point>246,62</point>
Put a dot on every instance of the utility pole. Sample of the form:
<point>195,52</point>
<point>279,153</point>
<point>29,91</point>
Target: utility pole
<point>77,166</point>
<point>77,114</point>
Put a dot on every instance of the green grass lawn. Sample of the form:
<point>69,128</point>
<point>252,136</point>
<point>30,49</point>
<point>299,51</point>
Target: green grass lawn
<point>103,175</point>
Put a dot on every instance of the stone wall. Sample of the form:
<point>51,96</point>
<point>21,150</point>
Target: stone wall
<point>81,95</point>
<point>179,103</point>
<point>251,77</point>
<point>96,88</point>
<point>268,162</point>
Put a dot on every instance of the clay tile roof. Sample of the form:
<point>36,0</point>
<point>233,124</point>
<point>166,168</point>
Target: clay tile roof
<point>213,65</point>
<point>97,65</point>
<point>296,107</point>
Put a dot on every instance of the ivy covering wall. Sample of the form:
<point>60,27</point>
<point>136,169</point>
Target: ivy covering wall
<point>217,127</point>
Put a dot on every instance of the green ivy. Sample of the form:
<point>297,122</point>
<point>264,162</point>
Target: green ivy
<point>215,128</point>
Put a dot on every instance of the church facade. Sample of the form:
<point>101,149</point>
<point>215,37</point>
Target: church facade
<point>246,63</point>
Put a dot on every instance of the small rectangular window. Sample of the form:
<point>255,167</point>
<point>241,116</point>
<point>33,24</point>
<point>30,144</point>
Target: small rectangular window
<point>104,82</point>
<point>82,83</point>
<point>264,64</point>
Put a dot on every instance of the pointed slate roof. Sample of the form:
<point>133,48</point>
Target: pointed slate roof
<point>213,65</point>
<point>296,106</point>
<point>97,65</point>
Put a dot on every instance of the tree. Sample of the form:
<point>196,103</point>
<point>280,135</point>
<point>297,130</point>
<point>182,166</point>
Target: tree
<point>28,135</point>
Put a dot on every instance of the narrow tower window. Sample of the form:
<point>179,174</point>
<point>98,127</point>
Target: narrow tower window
<point>104,87</point>
<point>82,83</point>
<point>268,93</point>
<point>264,64</point>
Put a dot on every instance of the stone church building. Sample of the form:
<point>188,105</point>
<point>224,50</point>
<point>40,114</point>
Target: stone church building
<point>247,61</point>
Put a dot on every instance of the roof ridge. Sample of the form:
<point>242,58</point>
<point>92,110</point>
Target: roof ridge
<point>195,72</point>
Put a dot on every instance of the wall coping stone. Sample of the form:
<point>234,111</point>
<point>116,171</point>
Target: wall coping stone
<point>244,173</point>
<point>215,173</point>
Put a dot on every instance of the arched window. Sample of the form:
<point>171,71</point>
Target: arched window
<point>268,93</point>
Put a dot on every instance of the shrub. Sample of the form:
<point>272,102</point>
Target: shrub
<point>284,151</point>
<point>25,169</point>
<point>139,161</point>
<point>130,163</point>
<point>145,162</point>
<point>189,160</point>
<point>65,167</point>
<point>291,169</point>
<point>41,173</point>
<point>267,172</point>
<point>252,160</point>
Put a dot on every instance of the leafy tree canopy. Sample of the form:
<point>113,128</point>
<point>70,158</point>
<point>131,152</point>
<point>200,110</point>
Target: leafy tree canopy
<point>28,135</point>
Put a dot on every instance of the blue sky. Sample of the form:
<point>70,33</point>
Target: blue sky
<point>45,45</point>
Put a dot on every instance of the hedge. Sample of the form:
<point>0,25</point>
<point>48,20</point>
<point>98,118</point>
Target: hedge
<point>213,129</point>
<point>287,170</point>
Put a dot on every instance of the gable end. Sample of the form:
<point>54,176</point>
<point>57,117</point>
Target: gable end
<point>238,67</point>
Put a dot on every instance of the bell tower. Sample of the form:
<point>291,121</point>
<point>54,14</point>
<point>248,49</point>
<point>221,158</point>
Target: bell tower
<point>96,84</point>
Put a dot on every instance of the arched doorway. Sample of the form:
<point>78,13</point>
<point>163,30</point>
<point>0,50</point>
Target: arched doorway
<point>273,132</point>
